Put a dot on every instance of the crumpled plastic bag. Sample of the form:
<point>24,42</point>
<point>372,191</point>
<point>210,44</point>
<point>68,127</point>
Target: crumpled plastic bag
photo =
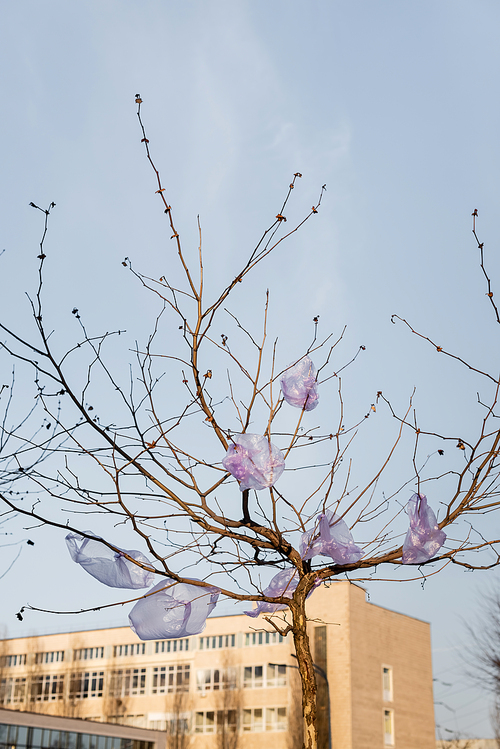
<point>106,565</point>
<point>299,386</point>
<point>335,540</point>
<point>175,610</point>
<point>282,584</point>
<point>424,537</point>
<point>254,461</point>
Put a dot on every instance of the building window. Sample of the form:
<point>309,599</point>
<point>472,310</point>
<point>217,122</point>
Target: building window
<point>171,646</point>
<point>175,724</point>
<point>387,683</point>
<point>253,677</point>
<point>275,719</point>
<point>127,682</point>
<point>263,638</point>
<point>217,641</point>
<point>213,721</point>
<point>171,679</point>
<point>54,656</point>
<point>388,727</point>
<point>12,736</point>
<point>47,688</point>
<point>86,684</point>
<point>253,719</point>
<point>138,648</point>
<point>211,679</point>
<point>12,691</point>
<point>276,675</point>
<point>86,654</point>
<point>8,661</point>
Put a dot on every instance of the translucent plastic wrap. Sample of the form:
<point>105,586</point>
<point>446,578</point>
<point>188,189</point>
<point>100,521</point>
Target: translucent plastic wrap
<point>334,540</point>
<point>299,386</point>
<point>175,610</point>
<point>254,461</point>
<point>282,584</point>
<point>424,537</point>
<point>106,565</point>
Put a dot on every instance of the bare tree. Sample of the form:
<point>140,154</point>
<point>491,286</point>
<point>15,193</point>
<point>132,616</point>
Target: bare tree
<point>5,685</point>
<point>179,736</point>
<point>483,649</point>
<point>228,703</point>
<point>482,652</point>
<point>162,481</point>
<point>456,743</point>
<point>115,702</point>
<point>495,721</point>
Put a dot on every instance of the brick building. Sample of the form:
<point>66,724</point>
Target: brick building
<point>236,681</point>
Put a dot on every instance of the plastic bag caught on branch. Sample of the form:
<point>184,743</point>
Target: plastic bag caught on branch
<point>335,540</point>
<point>299,386</point>
<point>174,610</point>
<point>106,565</point>
<point>254,461</point>
<point>424,537</point>
<point>282,584</point>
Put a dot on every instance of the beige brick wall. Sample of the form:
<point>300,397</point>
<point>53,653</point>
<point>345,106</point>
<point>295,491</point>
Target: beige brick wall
<point>361,639</point>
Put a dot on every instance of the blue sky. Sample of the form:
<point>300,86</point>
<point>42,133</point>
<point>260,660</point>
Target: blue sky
<point>393,105</point>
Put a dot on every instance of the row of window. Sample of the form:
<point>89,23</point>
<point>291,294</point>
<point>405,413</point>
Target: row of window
<point>8,661</point>
<point>50,688</point>
<point>254,677</point>
<point>255,719</point>
<point>136,648</point>
<point>172,646</point>
<point>213,642</point>
<point>251,720</point>
<point>128,682</point>
<point>263,638</point>
<point>54,656</point>
<point>251,639</point>
<point>217,641</point>
<point>23,737</point>
<point>87,654</point>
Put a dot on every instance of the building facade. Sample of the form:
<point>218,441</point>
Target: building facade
<point>26,730</point>
<point>237,680</point>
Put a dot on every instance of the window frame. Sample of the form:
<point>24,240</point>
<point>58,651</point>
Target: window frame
<point>171,679</point>
<point>217,642</point>
<point>387,693</point>
<point>47,688</point>
<point>91,685</point>
<point>389,736</point>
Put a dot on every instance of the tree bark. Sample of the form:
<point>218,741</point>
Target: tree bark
<point>306,669</point>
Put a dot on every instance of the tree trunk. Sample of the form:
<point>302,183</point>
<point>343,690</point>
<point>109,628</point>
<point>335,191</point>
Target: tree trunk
<point>306,669</point>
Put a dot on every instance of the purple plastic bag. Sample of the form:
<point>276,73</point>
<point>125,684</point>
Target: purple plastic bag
<point>175,610</point>
<point>106,565</point>
<point>254,461</point>
<point>282,584</point>
<point>424,537</point>
<point>335,541</point>
<point>299,386</point>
